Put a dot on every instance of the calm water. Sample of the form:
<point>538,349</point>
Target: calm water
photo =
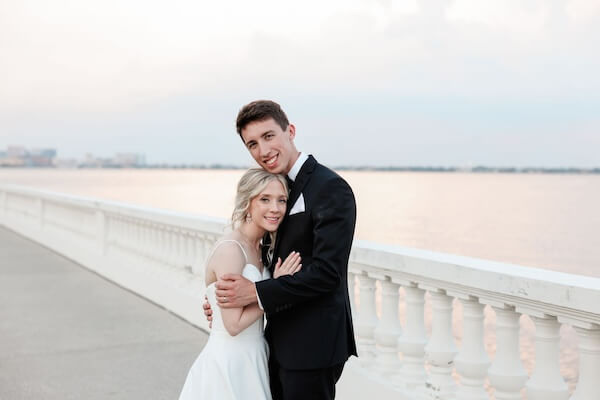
<point>547,221</point>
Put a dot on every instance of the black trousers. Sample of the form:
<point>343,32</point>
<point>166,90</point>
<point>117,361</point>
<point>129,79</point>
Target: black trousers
<point>303,384</point>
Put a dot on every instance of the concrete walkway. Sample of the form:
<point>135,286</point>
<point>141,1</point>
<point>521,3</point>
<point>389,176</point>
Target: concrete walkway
<point>67,333</point>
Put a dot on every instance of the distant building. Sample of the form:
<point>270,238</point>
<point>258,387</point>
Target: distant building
<point>129,160</point>
<point>16,152</point>
<point>42,157</point>
<point>20,156</point>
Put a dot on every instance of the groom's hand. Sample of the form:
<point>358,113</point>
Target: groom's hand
<point>235,291</point>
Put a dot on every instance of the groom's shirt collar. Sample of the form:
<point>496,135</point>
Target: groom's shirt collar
<point>297,165</point>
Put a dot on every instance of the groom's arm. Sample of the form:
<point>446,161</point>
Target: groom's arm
<point>334,218</point>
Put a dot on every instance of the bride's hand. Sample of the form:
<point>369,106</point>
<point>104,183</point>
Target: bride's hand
<point>290,266</point>
<point>207,311</point>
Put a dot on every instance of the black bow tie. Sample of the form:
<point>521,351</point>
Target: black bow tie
<point>290,183</point>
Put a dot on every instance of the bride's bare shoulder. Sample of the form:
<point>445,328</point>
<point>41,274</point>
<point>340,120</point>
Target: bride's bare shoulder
<point>227,258</point>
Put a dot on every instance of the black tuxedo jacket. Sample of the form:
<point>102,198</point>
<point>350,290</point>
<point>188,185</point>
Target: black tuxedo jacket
<point>309,324</point>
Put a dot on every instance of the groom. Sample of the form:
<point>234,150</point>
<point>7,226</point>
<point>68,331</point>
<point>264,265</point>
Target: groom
<point>309,326</point>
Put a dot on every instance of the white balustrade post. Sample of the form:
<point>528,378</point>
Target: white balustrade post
<point>367,320</point>
<point>155,243</point>
<point>472,361</point>
<point>507,374</point>
<point>101,232</point>
<point>198,255</point>
<point>588,386</point>
<point>181,250</point>
<point>172,246</point>
<point>189,250</point>
<point>441,349</point>
<point>388,330</point>
<point>136,236</point>
<point>413,340</point>
<point>164,244</point>
<point>145,238</point>
<point>546,383</point>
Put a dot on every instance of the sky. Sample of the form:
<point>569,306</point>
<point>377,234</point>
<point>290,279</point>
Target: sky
<point>365,82</point>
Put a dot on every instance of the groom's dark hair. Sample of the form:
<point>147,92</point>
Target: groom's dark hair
<point>260,110</point>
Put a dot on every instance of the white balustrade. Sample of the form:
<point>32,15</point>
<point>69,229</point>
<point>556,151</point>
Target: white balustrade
<point>546,383</point>
<point>441,349</point>
<point>507,374</point>
<point>413,340</point>
<point>388,329</point>
<point>365,326</point>
<point>588,387</point>
<point>472,361</point>
<point>159,254</point>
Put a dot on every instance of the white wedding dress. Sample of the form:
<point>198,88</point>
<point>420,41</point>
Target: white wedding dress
<point>231,367</point>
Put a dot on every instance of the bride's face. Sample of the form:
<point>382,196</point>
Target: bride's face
<point>268,208</point>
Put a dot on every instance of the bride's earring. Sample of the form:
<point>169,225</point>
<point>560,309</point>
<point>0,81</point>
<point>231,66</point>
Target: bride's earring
<point>248,217</point>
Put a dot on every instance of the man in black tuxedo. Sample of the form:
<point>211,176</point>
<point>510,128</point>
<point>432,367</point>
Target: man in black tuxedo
<point>309,324</point>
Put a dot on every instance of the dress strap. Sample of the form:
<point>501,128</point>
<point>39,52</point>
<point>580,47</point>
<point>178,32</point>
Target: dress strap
<point>230,240</point>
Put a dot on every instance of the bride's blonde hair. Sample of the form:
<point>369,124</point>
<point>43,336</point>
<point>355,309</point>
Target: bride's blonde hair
<point>251,184</point>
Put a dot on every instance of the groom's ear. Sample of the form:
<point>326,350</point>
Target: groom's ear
<point>292,129</point>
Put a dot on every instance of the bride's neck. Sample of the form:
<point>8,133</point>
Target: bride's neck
<point>251,233</point>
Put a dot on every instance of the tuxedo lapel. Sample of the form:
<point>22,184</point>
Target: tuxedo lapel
<point>301,180</point>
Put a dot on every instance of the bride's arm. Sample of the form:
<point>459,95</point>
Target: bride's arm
<point>245,317</point>
<point>228,259</point>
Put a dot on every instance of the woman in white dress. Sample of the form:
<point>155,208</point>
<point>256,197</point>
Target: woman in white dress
<point>234,363</point>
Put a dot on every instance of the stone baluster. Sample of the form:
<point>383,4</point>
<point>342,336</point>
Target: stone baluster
<point>117,231</point>
<point>145,238</point>
<point>164,244</point>
<point>180,248</point>
<point>441,349</point>
<point>588,386</point>
<point>388,329</point>
<point>127,234</point>
<point>133,236</point>
<point>413,340</point>
<point>151,240</point>
<point>367,320</point>
<point>140,238</point>
<point>546,383</point>
<point>198,255</point>
<point>507,374</point>
<point>101,232</point>
<point>157,250</point>
<point>136,237</point>
<point>472,361</point>
<point>171,246</point>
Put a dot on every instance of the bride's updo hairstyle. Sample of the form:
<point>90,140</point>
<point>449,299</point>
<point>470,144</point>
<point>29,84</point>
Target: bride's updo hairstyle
<point>254,181</point>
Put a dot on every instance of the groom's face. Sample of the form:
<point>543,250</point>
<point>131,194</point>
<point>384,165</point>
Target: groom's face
<point>272,147</point>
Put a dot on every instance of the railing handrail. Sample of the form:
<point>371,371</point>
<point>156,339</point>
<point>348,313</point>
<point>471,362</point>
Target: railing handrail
<point>212,224</point>
<point>561,294</point>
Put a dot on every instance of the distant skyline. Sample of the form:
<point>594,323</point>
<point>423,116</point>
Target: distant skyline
<point>366,82</point>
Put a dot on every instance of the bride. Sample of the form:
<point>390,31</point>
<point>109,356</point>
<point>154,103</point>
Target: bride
<point>234,363</point>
